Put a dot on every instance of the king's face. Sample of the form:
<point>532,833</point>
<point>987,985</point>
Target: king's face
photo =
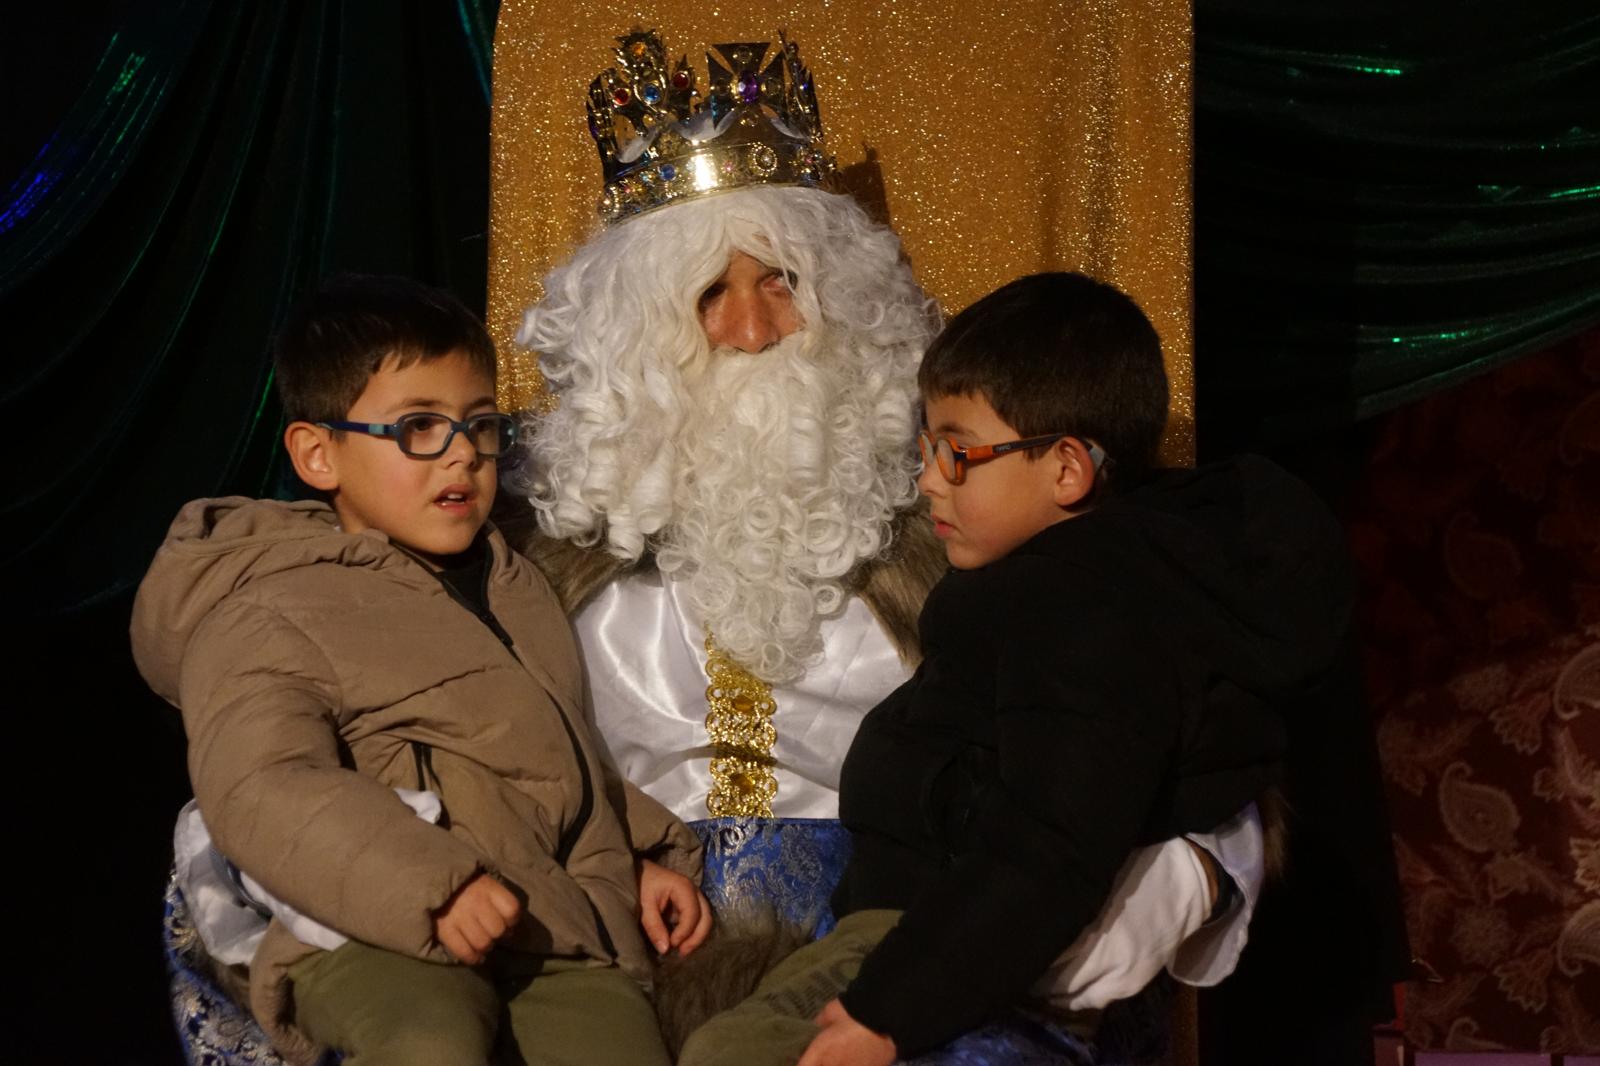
<point>750,307</point>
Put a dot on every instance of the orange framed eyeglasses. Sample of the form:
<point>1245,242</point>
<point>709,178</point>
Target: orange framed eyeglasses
<point>952,459</point>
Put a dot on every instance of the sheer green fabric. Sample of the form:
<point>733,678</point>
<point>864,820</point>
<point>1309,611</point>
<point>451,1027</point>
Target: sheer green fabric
<point>221,158</point>
<point>1388,201</point>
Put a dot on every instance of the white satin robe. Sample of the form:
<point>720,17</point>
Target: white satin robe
<point>645,660</point>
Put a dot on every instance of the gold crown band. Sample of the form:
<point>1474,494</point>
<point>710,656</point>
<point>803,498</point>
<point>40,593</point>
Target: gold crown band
<point>710,170</point>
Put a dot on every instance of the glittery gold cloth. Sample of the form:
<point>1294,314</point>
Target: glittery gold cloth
<point>998,141</point>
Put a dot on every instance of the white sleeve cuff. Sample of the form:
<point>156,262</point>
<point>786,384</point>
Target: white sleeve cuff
<point>230,924</point>
<point>1210,953</point>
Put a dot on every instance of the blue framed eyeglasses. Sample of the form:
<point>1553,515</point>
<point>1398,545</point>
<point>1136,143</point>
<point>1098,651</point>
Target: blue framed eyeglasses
<point>427,435</point>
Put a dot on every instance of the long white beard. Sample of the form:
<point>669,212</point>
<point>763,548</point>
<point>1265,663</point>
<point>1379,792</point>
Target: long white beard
<point>789,474</point>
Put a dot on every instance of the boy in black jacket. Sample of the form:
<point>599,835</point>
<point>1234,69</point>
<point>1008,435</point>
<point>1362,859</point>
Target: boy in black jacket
<point>1106,665</point>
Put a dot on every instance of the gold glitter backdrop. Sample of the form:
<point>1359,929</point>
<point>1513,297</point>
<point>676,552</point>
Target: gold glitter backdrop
<point>997,139</point>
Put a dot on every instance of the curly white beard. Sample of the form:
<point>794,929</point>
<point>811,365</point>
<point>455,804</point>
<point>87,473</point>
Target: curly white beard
<point>759,480</point>
<point>790,472</point>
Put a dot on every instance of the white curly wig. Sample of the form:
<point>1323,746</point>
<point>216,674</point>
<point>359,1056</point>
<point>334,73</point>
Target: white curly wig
<point>761,480</point>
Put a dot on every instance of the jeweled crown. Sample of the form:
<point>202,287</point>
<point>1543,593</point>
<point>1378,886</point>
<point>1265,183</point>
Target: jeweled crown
<point>660,141</point>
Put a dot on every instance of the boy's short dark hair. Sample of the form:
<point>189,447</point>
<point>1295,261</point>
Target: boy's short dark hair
<point>1059,353</point>
<point>339,336</point>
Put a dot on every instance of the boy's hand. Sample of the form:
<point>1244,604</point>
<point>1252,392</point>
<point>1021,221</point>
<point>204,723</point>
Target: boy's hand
<point>480,913</point>
<point>671,909</point>
<point>844,1041</point>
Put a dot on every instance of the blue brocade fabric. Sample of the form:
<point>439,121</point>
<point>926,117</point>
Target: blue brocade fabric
<point>212,1029</point>
<point>789,864</point>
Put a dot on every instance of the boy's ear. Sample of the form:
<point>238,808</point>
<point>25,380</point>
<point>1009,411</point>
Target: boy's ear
<point>1076,473</point>
<point>309,450</point>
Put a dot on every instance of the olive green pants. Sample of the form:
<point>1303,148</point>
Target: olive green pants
<point>385,1009</point>
<point>775,1024</point>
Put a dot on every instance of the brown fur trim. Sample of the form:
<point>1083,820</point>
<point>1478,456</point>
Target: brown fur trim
<point>896,585</point>
<point>232,981</point>
<point>1275,812</point>
<point>574,572</point>
<point>746,944</point>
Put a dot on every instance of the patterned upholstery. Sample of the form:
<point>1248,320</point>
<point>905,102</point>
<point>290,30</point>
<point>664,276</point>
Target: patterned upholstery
<point>1478,534</point>
<point>212,1029</point>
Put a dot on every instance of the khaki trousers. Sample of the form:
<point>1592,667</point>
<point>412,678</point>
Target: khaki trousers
<point>775,1024</point>
<point>385,1009</point>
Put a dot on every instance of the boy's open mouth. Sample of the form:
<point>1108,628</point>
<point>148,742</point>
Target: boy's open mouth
<point>454,497</point>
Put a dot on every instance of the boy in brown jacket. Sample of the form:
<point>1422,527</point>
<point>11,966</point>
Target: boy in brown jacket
<point>325,654</point>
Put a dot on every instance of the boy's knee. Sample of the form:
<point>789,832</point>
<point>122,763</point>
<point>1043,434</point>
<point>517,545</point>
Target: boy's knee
<point>701,1047</point>
<point>758,1032</point>
<point>419,1045</point>
<point>429,1033</point>
<point>407,1012</point>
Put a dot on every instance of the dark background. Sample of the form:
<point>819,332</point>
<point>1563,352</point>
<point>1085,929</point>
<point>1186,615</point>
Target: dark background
<point>1387,204</point>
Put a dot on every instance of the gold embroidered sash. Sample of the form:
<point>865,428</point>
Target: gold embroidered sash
<point>739,723</point>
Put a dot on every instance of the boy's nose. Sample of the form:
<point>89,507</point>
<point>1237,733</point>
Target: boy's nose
<point>930,482</point>
<point>461,449</point>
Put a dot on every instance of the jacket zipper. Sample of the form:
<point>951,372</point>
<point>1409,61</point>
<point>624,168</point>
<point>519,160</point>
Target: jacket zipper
<point>422,755</point>
<point>569,836</point>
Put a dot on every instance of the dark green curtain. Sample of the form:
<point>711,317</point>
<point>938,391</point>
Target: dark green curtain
<point>220,159</point>
<point>189,170</point>
<point>1388,200</point>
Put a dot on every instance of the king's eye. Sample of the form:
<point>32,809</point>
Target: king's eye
<point>715,289</point>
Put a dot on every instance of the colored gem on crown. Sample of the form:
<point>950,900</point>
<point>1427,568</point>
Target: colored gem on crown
<point>756,124</point>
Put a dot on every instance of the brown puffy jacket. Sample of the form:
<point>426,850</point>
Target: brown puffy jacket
<point>314,667</point>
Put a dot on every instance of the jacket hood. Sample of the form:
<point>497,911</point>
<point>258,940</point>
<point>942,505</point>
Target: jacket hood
<point>218,547</point>
<point>1255,569</point>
